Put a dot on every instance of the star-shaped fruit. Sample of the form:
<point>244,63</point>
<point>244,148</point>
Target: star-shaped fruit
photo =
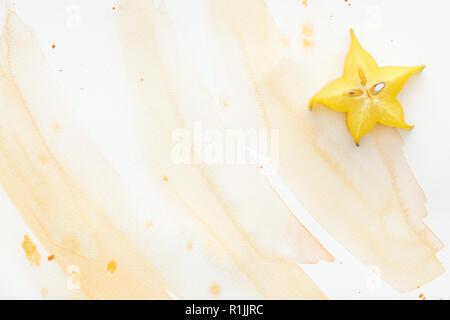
<point>366,92</point>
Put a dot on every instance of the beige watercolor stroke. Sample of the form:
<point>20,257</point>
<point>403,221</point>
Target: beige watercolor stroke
<point>367,198</point>
<point>68,219</point>
<point>53,189</point>
<point>235,204</point>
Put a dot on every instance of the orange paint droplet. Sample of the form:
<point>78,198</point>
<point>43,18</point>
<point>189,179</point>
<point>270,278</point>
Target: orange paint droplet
<point>165,179</point>
<point>53,46</point>
<point>31,252</point>
<point>421,295</point>
<point>114,8</point>
<point>142,79</point>
<point>112,266</point>
<point>214,289</point>
<point>51,257</point>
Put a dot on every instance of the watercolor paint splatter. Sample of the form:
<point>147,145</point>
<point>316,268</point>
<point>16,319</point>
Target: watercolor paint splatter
<point>196,229</point>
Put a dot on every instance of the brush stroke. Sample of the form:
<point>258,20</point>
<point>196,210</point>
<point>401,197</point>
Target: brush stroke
<point>44,176</point>
<point>67,221</point>
<point>47,167</point>
<point>367,198</point>
<point>236,205</point>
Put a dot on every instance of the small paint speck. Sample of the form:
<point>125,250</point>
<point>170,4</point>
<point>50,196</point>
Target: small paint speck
<point>51,257</point>
<point>165,179</point>
<point>42,159</point>
<point>305,3</point>
<point>112,266</point>
<point>44,292</point>
<point>307,43</point>
<point>189,246</point>
<point>214,289</point>
<point>53,46</point>
<point>148,224</point>
<point>308,30</point>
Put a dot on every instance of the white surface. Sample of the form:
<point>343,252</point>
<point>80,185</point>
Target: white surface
<point>402,32</point>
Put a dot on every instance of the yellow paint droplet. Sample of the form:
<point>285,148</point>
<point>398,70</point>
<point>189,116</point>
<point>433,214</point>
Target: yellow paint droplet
<point>42,159</point>
<point>307,43</point>
<point>189,246</point>
<point>148,224</point>
<point>214,289</point>
<point>44,292</point>
<point>305,3</point>
<point>31,251</point>
<point>308,30</point>
<point>165,179</point>
<point>112,266</point>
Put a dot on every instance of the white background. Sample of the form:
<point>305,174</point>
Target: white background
<point>396,32</point>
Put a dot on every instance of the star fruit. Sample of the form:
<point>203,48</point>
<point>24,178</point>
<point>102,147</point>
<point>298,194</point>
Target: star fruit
<point>366,92</point>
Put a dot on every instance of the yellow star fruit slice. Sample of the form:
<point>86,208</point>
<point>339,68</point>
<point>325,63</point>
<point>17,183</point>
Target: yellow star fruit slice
<point>366,92</point>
